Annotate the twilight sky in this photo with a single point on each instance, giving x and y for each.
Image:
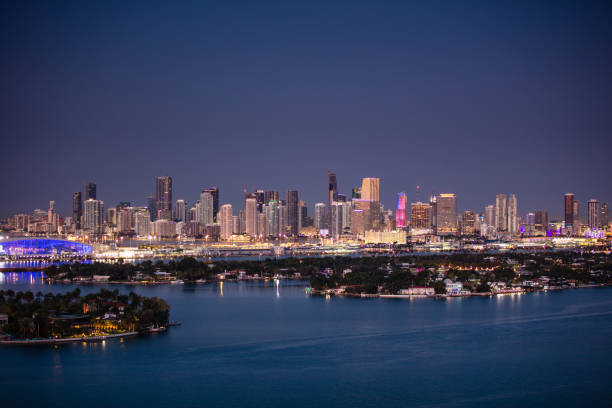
(471, 97)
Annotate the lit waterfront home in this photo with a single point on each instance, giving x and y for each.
(418, 291)
(455, 288)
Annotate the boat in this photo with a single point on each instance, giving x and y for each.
(159, 329)
(177, 282)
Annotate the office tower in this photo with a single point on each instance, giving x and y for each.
(179, 212)
(77, 209)
(93, 216)
(214, 192)
(90, 191)
(52, 217)
(142, 223)
(501, 213)
(111, 216)
(319, 216)
(603, 219)
(569, 209)
(593, 213)
(163, 197)
(530, 218)
(272, 212)
(447, 214)
(250, 216)
(489, 218)
(358, 221)
(263, 229)
(260, 196)
(192, 214)
(302, 214)
(576, 212)
(236, 225)
(370, 189)
(125, 220)
(541, 220)
(368, 210)
(513, 224)
(400, 212)
(433, 203)
(468, 222)
(332, 193)
(283, 220)
(355, 193)
(420, 217)
(340, 218)
(152, 207)
(292, 212)
(270, 195)
(226, 220)
(205, 208)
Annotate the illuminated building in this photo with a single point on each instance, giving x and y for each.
(163, 197)
(21, 222)
(152, 206)
(358, 222)
(530, 219)
(263, 228)
(260, 196)
(179, 212)
(93, 216)
(125, 220)
(332, 193)
(340, 218)
(205, 208)
(43, 247)
(142, 223)
(356, 193)
(593, 208)
(370, 189)
(400, 212)
(433, 203)
(576, 211)
(271, 195)
(501, 213)
(468, 221)
(569, 209)
(367, 213)
(236, 224)
(226, 221)
(250, 216)
(603, 219)
(446, 208)
(420, 218)
(111, 216)
(490, 215)
(513, 224)
(164, 229)
(292, 212)
(214, 192)
(541, 220)
(272, 210)
(77, 209)
(302, 215)
(319, 217)
(90, 191)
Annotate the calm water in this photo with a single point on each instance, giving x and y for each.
(252, 344)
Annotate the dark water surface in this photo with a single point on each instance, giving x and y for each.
(253, 344)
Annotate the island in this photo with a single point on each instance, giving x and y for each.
(28, 318)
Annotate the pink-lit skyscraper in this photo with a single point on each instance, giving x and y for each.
(400, 212)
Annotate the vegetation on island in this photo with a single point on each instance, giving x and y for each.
(74, 315)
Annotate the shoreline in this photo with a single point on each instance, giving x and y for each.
(67, 340)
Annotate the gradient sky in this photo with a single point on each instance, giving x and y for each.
(471, 97)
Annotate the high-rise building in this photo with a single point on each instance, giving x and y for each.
(180, 211)
(263, 228)
(260, 196)
(164, 228)
(142, 223)
(541, 220)
(319, 217)
(446, 214)
(270, 195)
(400, 212)
(367, 210)
(513, 224)
(530, 219)
(250, 216)
(370, 189)
(272, 212)
(111, 216)
(125, 220)
(501, 213)
(576, 212)
(77, 209)
(163, 197)
(205, 208)
(356, 193)
(214, 192)
(433, 203)
(489, 218)
(593, 213)
(152, 207)
(227, 223)
(420, 218)
(302, 214)
(603, 218)
(340, 218)
(332, 193)
(292, 212)
(93, 216)
(90, 191)
(569, 209)
(468, 221)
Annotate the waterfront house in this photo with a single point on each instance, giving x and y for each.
(3, 320)
(418, 291)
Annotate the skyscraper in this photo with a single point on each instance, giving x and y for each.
(93, 216)
(250, 216)
(77, 209)
(180, 211)
(400, 212)
(569, 209)
(501, 213)
(332, 193)
(370, 189)
(513, 224)
(270, 195)
(163, 197)
(227, 222)
(292, 212)
(447, 214)
(541, 220)
(319, 216)
(90, 191)
(214, 192)
(205, 208)
(593, 213)
(356, 192)
(603, 219)
(468, 220)
(260, 196)
(490, 215)
(420, 218)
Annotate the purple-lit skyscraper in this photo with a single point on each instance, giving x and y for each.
(400, 212)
